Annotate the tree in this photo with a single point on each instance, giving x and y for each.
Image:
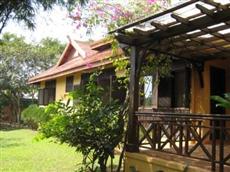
(44, 55)
(25, 10)
(19, 61)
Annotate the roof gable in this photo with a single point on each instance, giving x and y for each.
(65, 54)
(78, 56)
(73, 50)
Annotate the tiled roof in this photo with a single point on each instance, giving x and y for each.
(92, 59)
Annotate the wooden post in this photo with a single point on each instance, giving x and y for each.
(221, 146)
(213, 134)
(133, 132)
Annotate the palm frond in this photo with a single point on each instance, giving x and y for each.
(222, 101)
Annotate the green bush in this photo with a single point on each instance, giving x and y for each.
(25, 103)
(33, 115)
(92, 126)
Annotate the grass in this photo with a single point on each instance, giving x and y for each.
(19, 152)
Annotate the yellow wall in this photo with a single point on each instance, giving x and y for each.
(144, 163)
(61, 85)
(42, 84)
(60, 88)
(200, 97)
(77, 79)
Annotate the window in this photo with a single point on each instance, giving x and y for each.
(105, 82)
(170, 92)
(112, 89)
(84, 79)
(69, 84)
(50, 84)
(118, 91)
(181, 85)
(148, 92)
(47, 94)
(40, 97)
(174, 91)
(181, 88)
(108, 81)
(165, 92)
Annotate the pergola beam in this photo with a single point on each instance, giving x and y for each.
(159, 26)
(200, 33)
(204, 10)
(180, 19)
(187, 26)
(210, 13)
(151, 17)
(195, 24)
(215, 4)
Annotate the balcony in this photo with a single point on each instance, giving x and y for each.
(204, 140)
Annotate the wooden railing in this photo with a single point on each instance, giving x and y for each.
(204, 137)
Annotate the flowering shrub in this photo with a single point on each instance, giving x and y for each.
(112, 14)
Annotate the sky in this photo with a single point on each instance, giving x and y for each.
(55, 24)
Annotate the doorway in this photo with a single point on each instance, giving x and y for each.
(217, 87)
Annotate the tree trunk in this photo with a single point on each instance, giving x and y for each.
(18, 110)
(102, 163)
(16, 106)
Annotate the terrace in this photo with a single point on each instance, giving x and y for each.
(195, 33)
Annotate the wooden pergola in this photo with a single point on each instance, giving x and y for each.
(201, 27)
(195, 31)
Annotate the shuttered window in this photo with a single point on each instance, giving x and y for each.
(113, 90)
(40, 97)
(69, 84)
(50, 84)
(118, 91)
(75, 87)
(84, 78)
(165, 90)
(181, 90)
(47, 94)
(170, 92)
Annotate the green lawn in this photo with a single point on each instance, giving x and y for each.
(19, 152)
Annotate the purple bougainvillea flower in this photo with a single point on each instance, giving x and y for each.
(151, 1)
